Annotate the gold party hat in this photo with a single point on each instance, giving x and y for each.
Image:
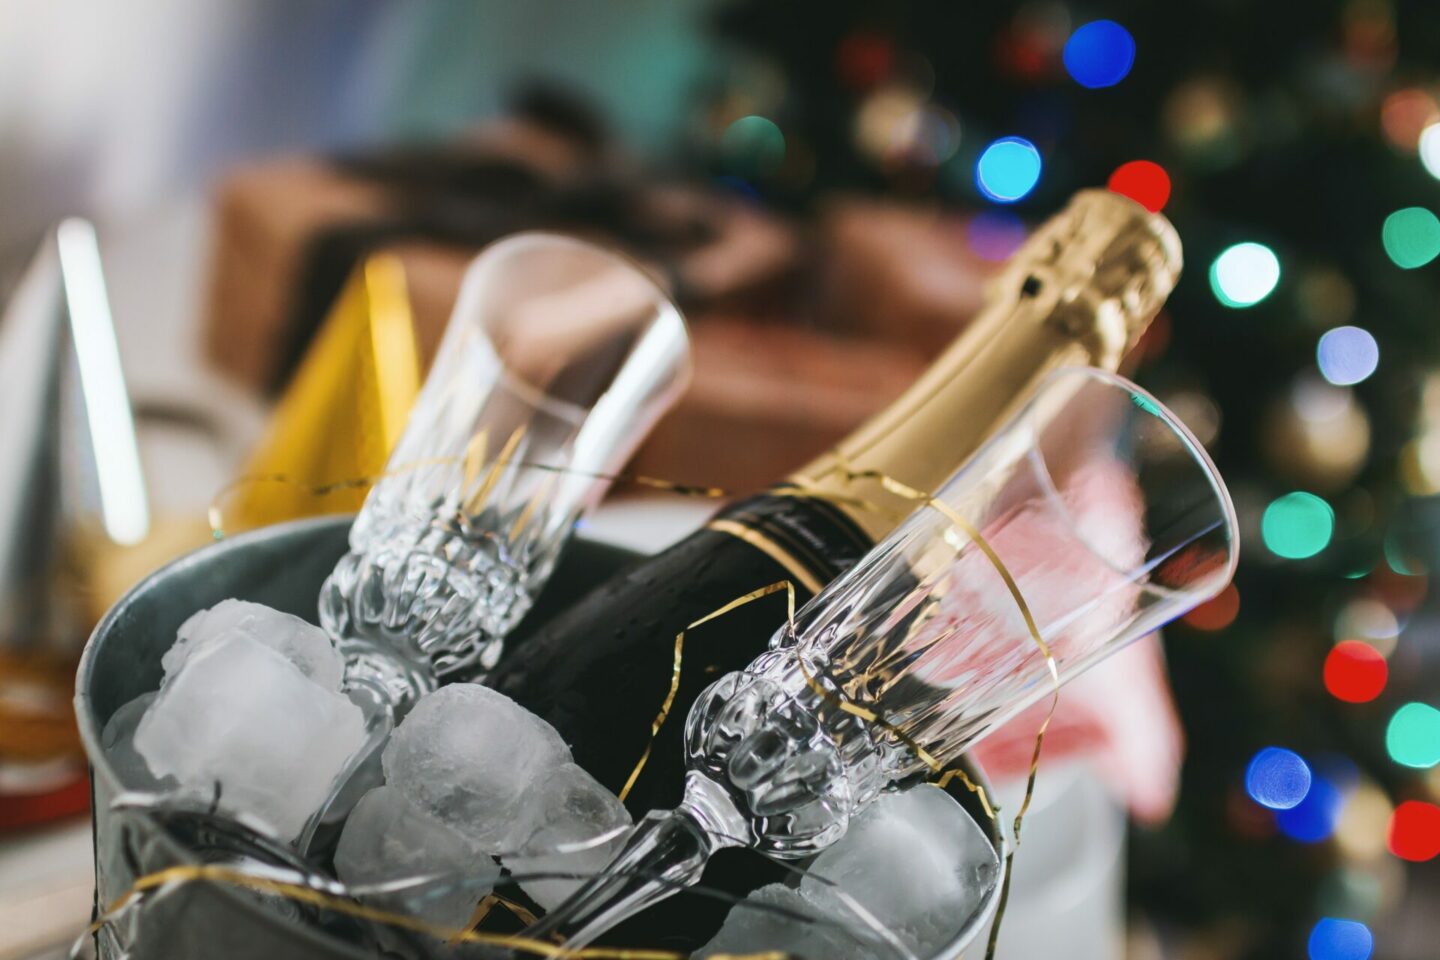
(344, 409)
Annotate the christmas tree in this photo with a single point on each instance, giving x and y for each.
(1296, 147)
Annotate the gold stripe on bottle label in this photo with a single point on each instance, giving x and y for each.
(772, 550)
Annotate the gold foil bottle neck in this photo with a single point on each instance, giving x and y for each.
(1101, 269)
(1080, 291)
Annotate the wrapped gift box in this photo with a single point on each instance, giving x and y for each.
(799, 333)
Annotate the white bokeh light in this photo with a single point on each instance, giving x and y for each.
(1244, 274)
(1430, 150)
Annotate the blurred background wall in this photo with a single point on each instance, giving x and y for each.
(106, 108)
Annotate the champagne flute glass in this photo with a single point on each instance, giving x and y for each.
(1091, 518)
(557, 360)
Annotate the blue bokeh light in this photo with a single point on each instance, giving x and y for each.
(1008, 169)
(1277, 778)
(1313, 819)
(1332, 939)
(1099, 54)
(1347, 355)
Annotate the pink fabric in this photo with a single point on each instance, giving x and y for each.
(1121, 716)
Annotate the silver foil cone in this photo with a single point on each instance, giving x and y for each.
(69, 461)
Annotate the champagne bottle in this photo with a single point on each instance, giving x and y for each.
(1080, 291)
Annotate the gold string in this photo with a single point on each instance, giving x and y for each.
(489, 903)
(799, 488)
(476, 500)
(903, 490)
(679, 659)
(300, 893)
(215, 515)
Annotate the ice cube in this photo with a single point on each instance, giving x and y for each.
(915, 860)
(388, 838)
(118, 742)
(240, 715)
(777, 918)
(562, 818)
(467, 755)
(302, 643)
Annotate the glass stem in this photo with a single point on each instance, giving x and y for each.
(666, 852)
(360, 774)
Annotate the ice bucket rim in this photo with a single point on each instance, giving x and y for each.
(90, 728)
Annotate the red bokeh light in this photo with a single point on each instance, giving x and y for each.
(1415, 831)
(1405, 113)
(1216, 614)
(1142, 181)
(1355, 672)
(863, 60)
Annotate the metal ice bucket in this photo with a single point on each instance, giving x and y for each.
(282, 566)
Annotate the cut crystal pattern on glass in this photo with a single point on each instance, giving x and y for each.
(1091, 519)
(558, 359)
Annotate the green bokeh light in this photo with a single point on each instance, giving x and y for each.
(1413, 737)
(753, 146)
(1411, 237)
(1297, 525)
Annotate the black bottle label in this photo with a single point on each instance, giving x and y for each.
(601, 670)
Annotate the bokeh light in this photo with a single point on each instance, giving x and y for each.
(1320, 439)
(1402, 561)
(926, 137)
(1414, 833)
(1368, 619)
(880, 115)
(1347, 355)
(1297, 525)
(1355, 672)
(885, 117)
(1404, 114)
(1201, 118)
(1430, 150)
(1217, 613)
(1198, 411)
(1354, 890)
(753, 146)
(995, 234)
(1413, 736)
(1332, 939)
(1008, 169)
(863, 59)
(1277, 778)
(1244, 274)
(1313, 819)
(1144, 182)
(1031, 47)
(1411, 237)
(1099, 54)
(1360, 832)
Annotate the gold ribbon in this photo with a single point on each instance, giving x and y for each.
(490, 902)
(904, 490)
(230, 876)
(472, 459)
(669, 700)
(216, 517)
